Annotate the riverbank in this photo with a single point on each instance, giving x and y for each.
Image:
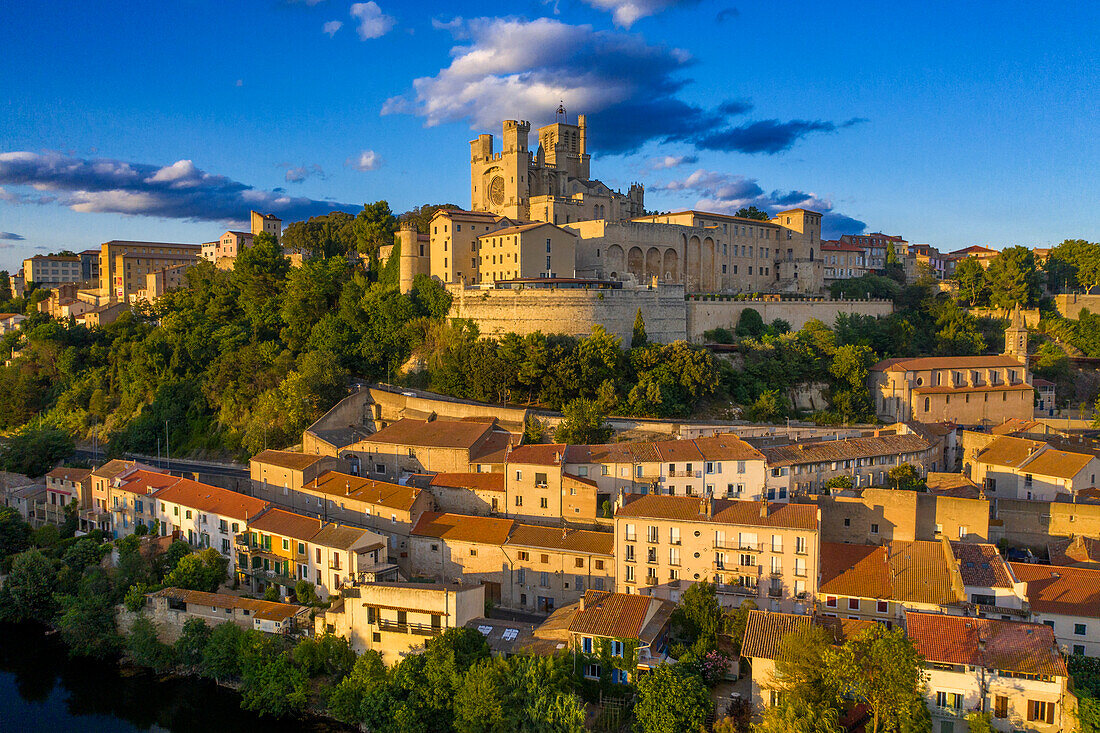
(43, 688)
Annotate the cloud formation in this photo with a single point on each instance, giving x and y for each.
(297, 174)
(177, 191)
(509, 68)
(373, 23)
(12, 236)
(368, 160)
(625, 13)
(726, 194)
(331, 27)
(672, 161)
(727, 14)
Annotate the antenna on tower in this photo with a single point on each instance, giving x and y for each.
(561, 112)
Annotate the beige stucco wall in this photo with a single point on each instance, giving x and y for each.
(1071, 305)
(901, 515)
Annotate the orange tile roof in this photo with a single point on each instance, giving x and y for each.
(569, 540)
(1008, 451)
(724, 511)
(112, 468)
(145, 482)
(76, 475)
(520, 228)
(436, 433)
(1012, 646)
(951, 484)
(494, 449)
(212, 499)
(286, 459)
(1057, 463)
(381, 493)
(854, 570)
(922, 363)
(920, 573)
(280, 522)
(617, 615)
(264, 610)
(548, 454)
(1061, 590)
(765, 630)
(1014, 425)
(727, 447)
(475, 481)
(948, 389)
(840, 450)
(981, 565)
(463, 528)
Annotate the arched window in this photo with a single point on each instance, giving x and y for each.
(927, 404)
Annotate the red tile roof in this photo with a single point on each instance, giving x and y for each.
(617, 615)
(765, 630)
(854, 570)
(76, 475)
(1074, 552)
(850, 448)
(723, 511)
(280, 522)
(548, 454)
(380, 493)
(475, 481)
(211, 499)
(981, 565)
(581, 541)
(435, 433)
(1012, 646)
(946, 362)
(463, 528)
(1061, 590)
(145, 482)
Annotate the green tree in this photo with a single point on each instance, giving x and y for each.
(904, 476)
(638, 336)
(751, 212)
(15, 534)
(881, 669)
(221, 657)
(583, 424)
(366, 678)
(798, 716)
(750, 324)
(734, 622)
(970, 276)
(27, 594)
(697, 618)
(203, 571)
(305, 592)
(144, 647)
(1051, 362)
(839, 482)
(1012, 278)
(34, 450)
(979, 722)
(191, 644)
(521, 693)
(87, 621)
(801, 669)
(671, 700)
(374, 227)
(273, 685)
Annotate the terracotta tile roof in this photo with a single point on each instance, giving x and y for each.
(947, 389)
(145, 482)
(436, 433)
(1015, 425)
(843, 629)
(76, 475)
(112, 468)
(212, 499)
(765, 630)
(520, 228)
(286, 459)
(1057, 463)
(568, 477)
(724, 511)
(1009, 451)
(854, 570)
(727, 447)
(380, 493)
(953, 485)
(919, 573)
(1012, 646)
(1074, 551)
(342, 537)
(494, 449)
(264, 610)
(677, 450)
(618, 615)
(476, 481)
(569, 540)
(548, 454)
(840, 450)
(286, 524)
(924, 363)
(975, 249)
(981, 565)
(1061, 590)
(463, 528)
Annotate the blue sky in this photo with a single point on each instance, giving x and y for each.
(948, 123)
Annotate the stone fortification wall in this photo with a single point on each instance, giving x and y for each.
(708, 312)
(1070, 305)
(1030, 315)
(574, 311)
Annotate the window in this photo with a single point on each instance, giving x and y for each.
(653, 534)
(629, 531)
(1079, 649)
(521, 576)
(853, 604)
(629, 573)
(962, 532)
(883, 606)
(674, 535)
(949, 700)
(1079, 629)
(519, 501)
(800, 545)
(543, 503)
(874, 528)
(1040, 711)
(800, 567)
(1000, 706)
(830, 601)
(673, 556)
(544, 580)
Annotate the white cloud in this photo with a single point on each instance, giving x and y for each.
(373, 23)
(297, 174)
(626, 12)
(368, 160)
(12, 236)
(672, 161)
(331, 27)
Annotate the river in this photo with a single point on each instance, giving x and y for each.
(44, 690)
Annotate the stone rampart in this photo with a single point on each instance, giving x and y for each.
(1070, 305)
(706, 312)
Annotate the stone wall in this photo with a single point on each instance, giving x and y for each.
(1070, 305)
(1035, 523)
(706, 313)
(900, 515)
(574, 311)
(1030, 315)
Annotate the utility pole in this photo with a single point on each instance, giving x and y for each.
(167, 450)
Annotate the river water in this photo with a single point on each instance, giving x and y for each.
(44, 690)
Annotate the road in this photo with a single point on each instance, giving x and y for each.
(182, 466)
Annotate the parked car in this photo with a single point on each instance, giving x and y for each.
(1020, 554)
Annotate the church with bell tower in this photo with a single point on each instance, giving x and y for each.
(552, 184)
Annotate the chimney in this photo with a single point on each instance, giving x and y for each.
(347, 488)
(764, 507)
(710, 506)
(582, 601)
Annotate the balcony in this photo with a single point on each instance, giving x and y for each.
(685, 474)
(775, 592)
(738, 545)
(396, 627)
(735, 590)
(650, 580)
(775, 574)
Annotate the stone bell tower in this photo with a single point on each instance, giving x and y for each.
(1016, 336)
